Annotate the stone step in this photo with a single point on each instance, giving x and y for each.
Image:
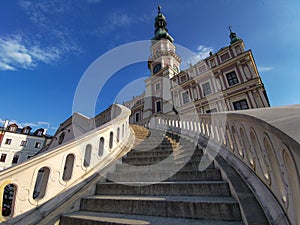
(194, 188)
(154, 160)
(190, 165)
(161, 153)
(194, 207)
(207, 175)
(153, 147)
(98, 218)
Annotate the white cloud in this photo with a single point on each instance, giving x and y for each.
(15, 55)
(52, 17)
(201, 53)
(114, 21)
(4, 66)
(262, 69)
(36, 125)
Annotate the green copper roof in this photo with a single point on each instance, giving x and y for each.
(161, 31)
(233, 37)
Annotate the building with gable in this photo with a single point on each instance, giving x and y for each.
(19, 144)
(224, 81)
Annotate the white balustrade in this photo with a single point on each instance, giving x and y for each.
(49, 174)
(272, 155)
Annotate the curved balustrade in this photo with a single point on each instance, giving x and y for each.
(45, 176)
(267, 158)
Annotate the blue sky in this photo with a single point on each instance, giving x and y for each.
(46, 46)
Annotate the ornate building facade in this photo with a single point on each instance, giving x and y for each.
(224, 81)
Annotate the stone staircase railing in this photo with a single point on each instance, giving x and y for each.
(40, 185)
(258, 148)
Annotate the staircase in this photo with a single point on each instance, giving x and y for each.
(158, 182)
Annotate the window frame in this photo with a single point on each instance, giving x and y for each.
(23, 143)
(137, 116)
(18, 157)
(233, 80)
(3, 157)
(37, 144)
(185, 97)
(8, 141)
(157, 86)
(160, 106)
(204, 89)
(240, 105)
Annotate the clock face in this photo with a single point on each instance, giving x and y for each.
(157, 68)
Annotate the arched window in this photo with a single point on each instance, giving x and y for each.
(87, 156)
(111, 139)
(101, 147)
(41, 183)
(68, 169)
(118, 134)
(61, 138)
(8, 200)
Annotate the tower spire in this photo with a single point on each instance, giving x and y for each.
(233, 37)
(161, 31)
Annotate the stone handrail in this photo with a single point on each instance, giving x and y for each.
(261, 152)
(41, 179)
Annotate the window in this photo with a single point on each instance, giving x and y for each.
(39, 132)
(185, 97)
(206, 89)
(118, 134)
(15, 159)
(8, 141)
(37, 144)
(137, 117)
(23, 143)
(202, 69)
(195, 93)
(101, 147)
(225, 57)
(87, 156)
(158, 106)
(13, 128)
(61, 138)
(3, 157)
(68, 168)
(183, 78)
(240, 105)
(238, 50)
(111, 139)
(232, 78)
(8, 199)
(26, 131)
(157, 86)
(41, 183)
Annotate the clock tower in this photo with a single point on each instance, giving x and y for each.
(162, 48)
(163, 64)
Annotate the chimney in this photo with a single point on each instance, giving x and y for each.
(6, 122)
